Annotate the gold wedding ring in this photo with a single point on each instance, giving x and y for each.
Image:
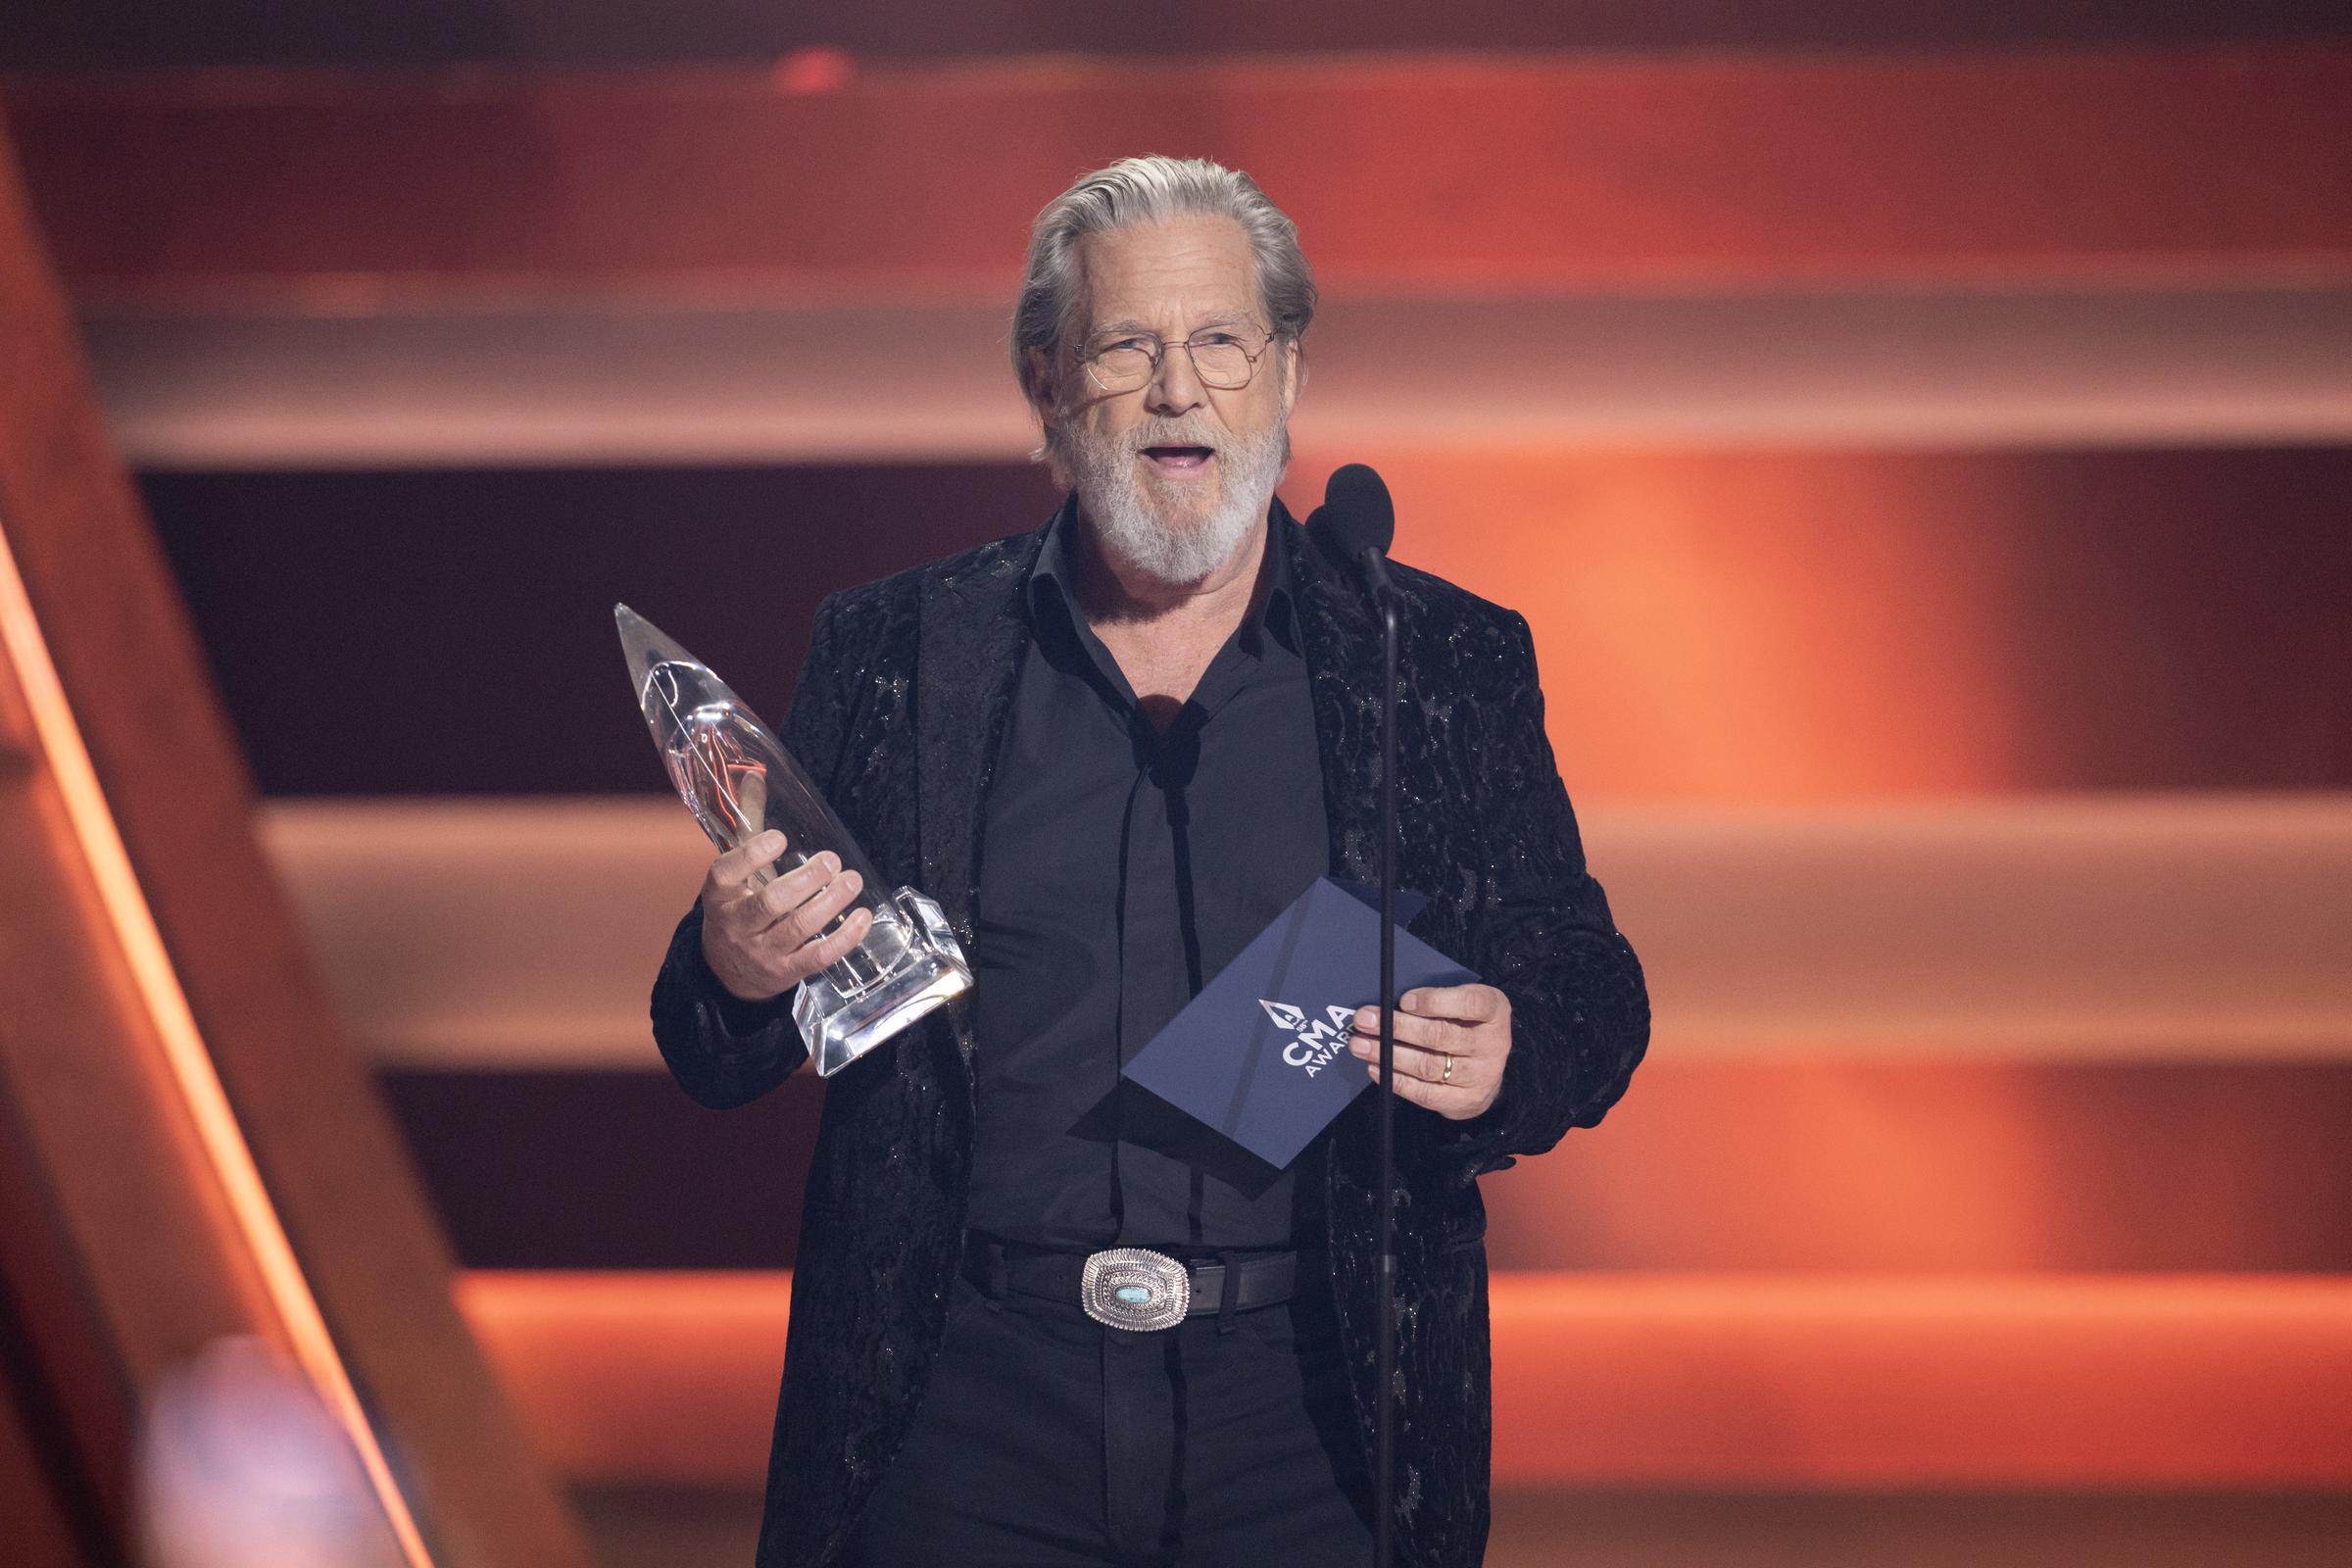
(1446, 1075)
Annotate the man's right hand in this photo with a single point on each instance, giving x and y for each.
(763, 941)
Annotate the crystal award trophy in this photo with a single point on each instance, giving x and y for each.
(739, 781)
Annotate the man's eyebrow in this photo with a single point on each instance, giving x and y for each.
(1145, 329)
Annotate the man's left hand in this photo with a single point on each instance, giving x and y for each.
(1451, 1042)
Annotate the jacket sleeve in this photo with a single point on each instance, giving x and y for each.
(1580, 1011)
(722, 1049)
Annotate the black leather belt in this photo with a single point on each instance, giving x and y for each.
(1132, 1287)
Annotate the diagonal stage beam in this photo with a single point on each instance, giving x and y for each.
(192, 1146)
(1456, 176)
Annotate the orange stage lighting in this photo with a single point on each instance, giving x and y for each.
(1861, 1382)
(231, 1162)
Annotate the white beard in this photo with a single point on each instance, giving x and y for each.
(1166, 531)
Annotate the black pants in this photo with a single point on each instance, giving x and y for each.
(1048, 1439)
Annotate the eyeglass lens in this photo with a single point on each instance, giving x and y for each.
(1221, 360)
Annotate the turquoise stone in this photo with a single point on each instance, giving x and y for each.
(1133, 1295)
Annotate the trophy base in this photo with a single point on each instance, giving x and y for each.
(909, 964)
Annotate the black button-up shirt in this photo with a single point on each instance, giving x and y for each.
(1120, 869)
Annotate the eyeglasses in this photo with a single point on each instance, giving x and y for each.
(1221, 358)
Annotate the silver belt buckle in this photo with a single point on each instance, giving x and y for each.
(1135, 1288)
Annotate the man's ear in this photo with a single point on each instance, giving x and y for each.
(1293, 371)
(1042, 390)
(1040, 386)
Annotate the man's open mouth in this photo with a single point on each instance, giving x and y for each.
(1179, 459)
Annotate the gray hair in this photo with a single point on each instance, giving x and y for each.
(1147, 190)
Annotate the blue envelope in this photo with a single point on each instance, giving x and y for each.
(1261, 1053)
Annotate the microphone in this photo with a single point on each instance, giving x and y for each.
(1357, 522)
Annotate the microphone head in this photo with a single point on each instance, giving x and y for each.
(1356, 513)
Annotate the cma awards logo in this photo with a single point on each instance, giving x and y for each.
(1312, 1044)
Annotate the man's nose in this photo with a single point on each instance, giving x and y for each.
(1175, 387)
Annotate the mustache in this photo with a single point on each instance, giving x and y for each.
(1171, 433)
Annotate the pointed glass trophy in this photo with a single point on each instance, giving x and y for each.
(739, 781)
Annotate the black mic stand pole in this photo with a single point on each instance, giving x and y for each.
(1358, 522)
(1385, 1418)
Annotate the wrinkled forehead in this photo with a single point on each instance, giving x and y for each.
(1171, 278)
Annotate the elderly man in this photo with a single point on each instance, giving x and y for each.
(1113, 750)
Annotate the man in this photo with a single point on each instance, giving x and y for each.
(1113, 750)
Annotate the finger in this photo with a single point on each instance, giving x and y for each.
(731, 873)
(796, 887)
(1418, 1061)
(790, 934)
(825, 952)
(1431, 1034)
(1461, 1004)
(1444, 1098)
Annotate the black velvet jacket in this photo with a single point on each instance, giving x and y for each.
(898, 711)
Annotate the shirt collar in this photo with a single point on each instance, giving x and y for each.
(1054, 581)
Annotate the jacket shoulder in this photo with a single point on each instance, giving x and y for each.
(1430, 601)
(900, 594)
(1451, 612)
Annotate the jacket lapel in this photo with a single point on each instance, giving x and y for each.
(973, 629)
(1341, 637)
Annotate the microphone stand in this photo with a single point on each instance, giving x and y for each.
(1358, 523)
(1385, 1417)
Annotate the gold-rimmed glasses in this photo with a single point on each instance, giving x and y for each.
(1221, 357)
